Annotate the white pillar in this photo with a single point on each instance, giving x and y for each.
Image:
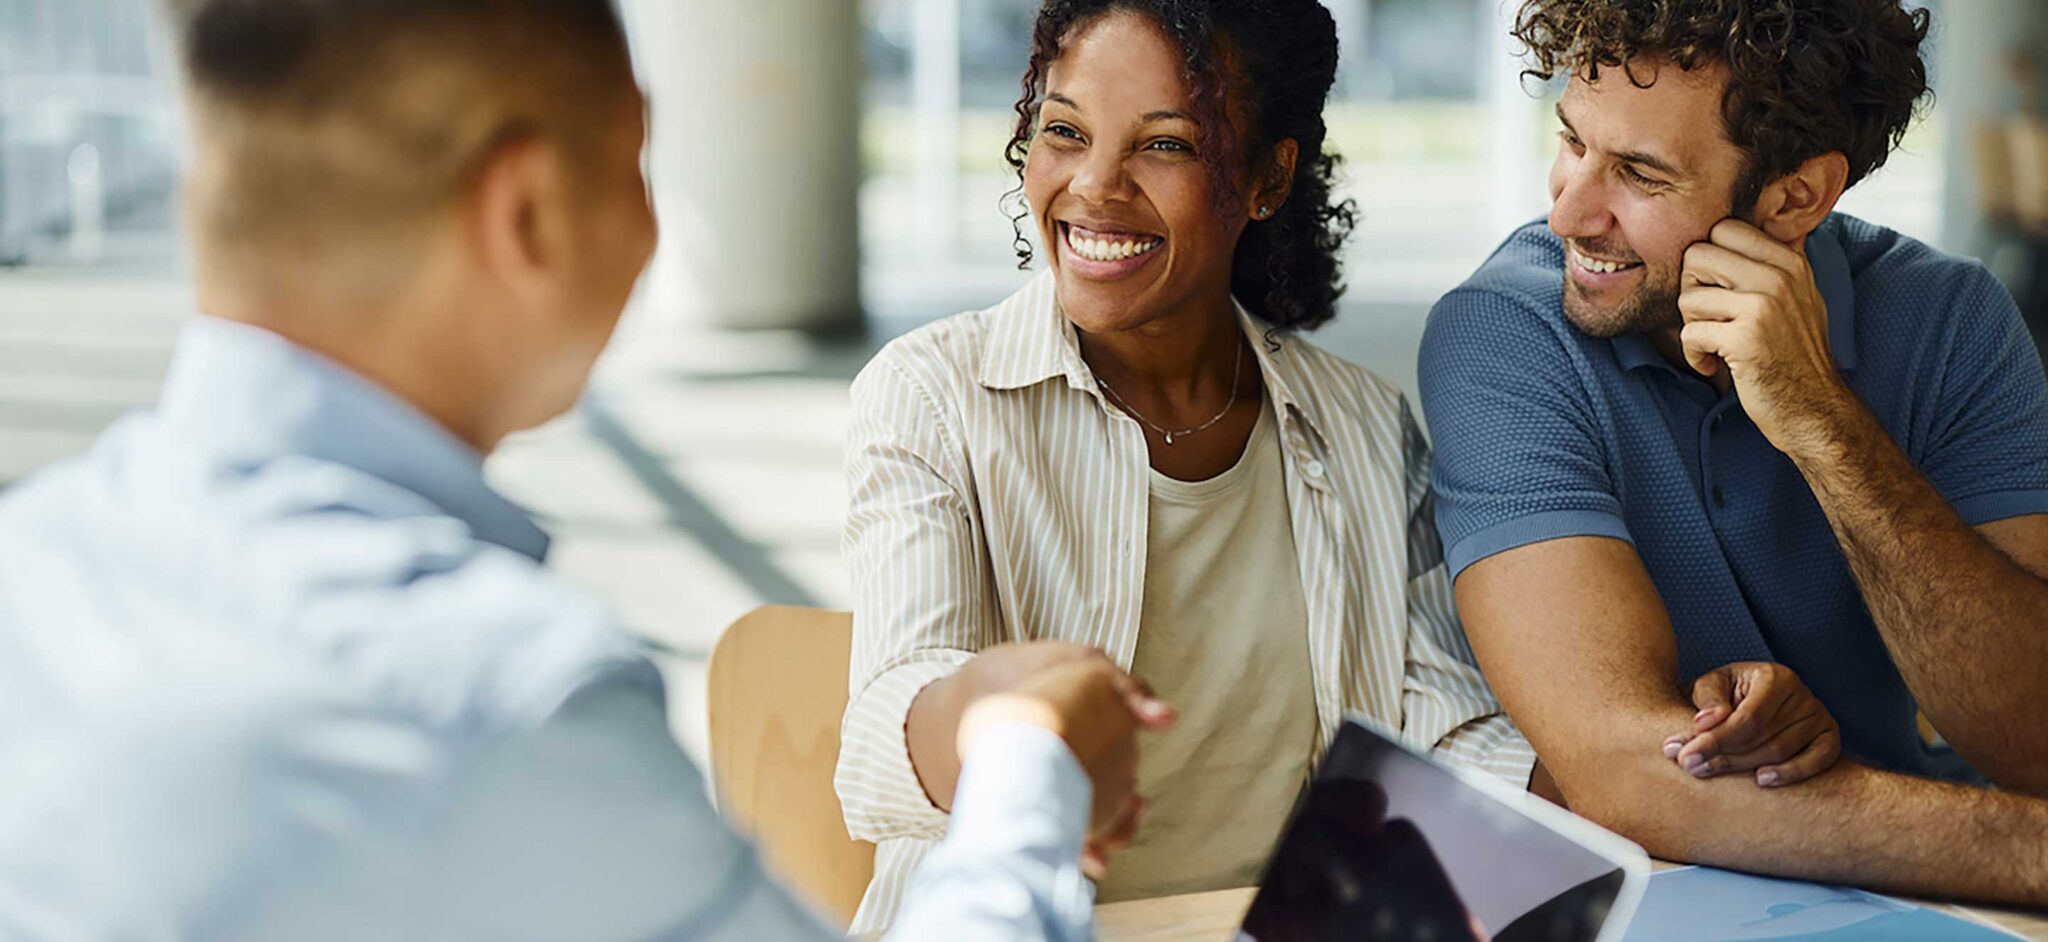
(88, 203)
(935, 101)
(1513, 118)
(755, 162)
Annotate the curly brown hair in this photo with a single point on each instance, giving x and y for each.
(1807, 77)
(1276, 60)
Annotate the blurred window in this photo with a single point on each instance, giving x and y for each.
(87, 150)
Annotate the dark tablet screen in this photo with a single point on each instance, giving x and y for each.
(1386, 846)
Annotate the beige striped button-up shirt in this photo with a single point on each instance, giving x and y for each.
(997, 496)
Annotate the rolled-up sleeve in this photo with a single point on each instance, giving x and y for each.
(922, 599)
(1447, 707)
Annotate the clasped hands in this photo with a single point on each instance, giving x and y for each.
(1758, 717)
(1080, 695)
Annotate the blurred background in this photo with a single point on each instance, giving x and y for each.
(830, 174)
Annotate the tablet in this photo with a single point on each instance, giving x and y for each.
(1387, 845)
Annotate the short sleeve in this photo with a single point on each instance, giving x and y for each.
(1520, 456)
(1988, 451)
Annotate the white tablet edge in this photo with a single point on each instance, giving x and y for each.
(1624, 854)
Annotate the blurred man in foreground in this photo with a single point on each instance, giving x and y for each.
(415, 225)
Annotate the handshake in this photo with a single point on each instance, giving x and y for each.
(1072, 690)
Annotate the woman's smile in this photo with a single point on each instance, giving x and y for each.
(1105, 254)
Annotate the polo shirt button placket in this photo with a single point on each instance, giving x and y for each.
(1716, 497)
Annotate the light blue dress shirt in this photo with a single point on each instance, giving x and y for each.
(275, 662)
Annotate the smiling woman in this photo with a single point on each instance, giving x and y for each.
(1137, 454)
(1286, 266)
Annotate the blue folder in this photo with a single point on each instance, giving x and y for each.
(1701, 904)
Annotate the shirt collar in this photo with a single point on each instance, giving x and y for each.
(1837, 290)
(253, 395)
(1030, 342)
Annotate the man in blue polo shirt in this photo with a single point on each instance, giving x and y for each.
(1697, 419)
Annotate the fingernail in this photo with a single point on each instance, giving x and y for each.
(1767, 778)
(1672, 748)
(1696, 765)
(1703, 714)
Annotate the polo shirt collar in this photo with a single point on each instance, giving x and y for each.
(1837, 289)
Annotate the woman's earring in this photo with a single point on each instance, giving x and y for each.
(1265, 211)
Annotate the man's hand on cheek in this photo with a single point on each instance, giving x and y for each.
(1753, 309)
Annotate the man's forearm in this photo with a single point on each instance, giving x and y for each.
(1860, 826)
(1851, 824)
(1963, 621)
(1017, 833)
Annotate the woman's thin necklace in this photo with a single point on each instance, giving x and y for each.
(1236, 373)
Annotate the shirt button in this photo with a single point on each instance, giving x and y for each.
(1313, 469)
(1720, 497)
(1123, 547)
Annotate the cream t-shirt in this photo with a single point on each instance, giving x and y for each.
(1224, 638)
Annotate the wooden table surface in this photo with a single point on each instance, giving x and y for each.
(1214, 917)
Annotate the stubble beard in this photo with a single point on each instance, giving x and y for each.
(1651, 307)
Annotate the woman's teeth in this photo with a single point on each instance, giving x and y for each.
(1596, 265)
(1109, 248)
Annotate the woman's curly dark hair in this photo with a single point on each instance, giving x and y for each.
(1276, 61)
(1807, 77)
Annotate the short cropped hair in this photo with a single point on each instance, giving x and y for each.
(350, 124)
(1807, 77)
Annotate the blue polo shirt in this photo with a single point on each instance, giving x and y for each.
(1543, 432)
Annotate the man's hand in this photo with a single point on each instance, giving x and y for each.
(1751, 307)
(932, 730)
(1757, 716)
(1085, 699)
